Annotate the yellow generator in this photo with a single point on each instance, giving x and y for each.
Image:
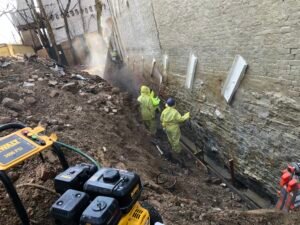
(106, 197)
(90, 195)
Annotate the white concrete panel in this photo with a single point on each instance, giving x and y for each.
(190, 74)
(89, 15)
(22, 17)
(165, 62)
(21, 14)
(234, 77)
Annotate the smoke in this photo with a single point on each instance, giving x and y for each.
(97, 53)
(121, 76)
(93, 48)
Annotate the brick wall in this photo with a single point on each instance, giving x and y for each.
(261, 128)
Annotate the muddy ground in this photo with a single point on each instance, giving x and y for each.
(102, 121)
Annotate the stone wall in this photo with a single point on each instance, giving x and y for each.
(260, 129)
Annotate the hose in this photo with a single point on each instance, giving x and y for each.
(7, 126)
(38, 187)
(165, 183)
(19, 207)
(79, 152)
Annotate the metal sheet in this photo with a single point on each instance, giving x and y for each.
(190, 74)
(234, 77)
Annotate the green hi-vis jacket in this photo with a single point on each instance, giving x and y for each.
(148, 103)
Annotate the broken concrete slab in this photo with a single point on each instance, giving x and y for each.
(28, 84)
(4, 64)
(52, 83)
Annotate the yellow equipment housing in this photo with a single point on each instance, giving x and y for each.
(22, 144)
(137, 216)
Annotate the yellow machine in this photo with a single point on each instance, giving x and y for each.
(108, 196)
(137, 216)
(21, 145)
(90, 194)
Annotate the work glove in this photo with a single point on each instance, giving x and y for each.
(163, 125)
(188, 123)
(186, 116)
(155, 101)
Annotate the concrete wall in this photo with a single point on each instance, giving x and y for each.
(260, 129)
(22, 15)
(80, 22)
(31, 38)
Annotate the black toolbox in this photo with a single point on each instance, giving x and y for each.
(102, 211)
(69, 207)
(74, 177)
(122, 185)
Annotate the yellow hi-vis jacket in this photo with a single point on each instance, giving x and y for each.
(148, 103)
(171, 119)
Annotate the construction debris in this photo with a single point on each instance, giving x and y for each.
(60, 70)
(4, 64)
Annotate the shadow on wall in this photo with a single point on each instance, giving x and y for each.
(130, 80)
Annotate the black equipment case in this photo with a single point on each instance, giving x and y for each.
(122, 185)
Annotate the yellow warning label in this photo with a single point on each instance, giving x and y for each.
(135, 190)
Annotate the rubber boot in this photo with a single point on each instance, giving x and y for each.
(178, 159)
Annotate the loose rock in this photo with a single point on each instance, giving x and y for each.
(54, 93)
(2, 84)
(4, 119)
(28, 84)
(72, 87)
(11, 104)
(115, 90)
(52, 83)
(14, 176)
(30, 100)
(44, 173)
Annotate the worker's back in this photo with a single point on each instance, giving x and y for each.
(170, 116)
(146, 106)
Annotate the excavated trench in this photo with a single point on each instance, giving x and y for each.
(103, 121)
(124, 78)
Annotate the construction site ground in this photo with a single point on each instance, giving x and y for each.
(86, 112)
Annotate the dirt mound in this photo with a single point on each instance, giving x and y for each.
(88, 113)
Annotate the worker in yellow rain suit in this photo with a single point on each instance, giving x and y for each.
(148, 105)
(171, 120)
